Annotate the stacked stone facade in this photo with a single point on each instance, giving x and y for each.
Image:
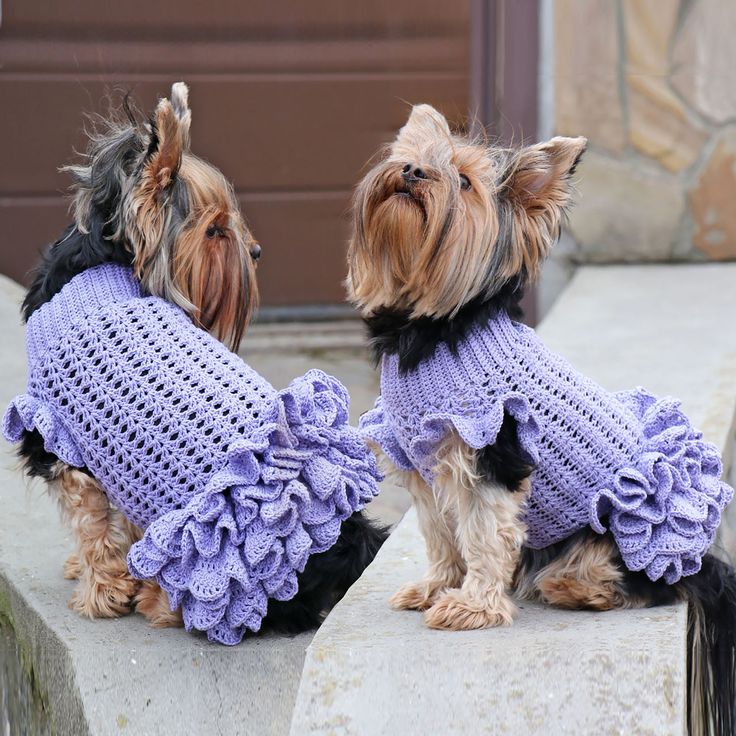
(652, 84)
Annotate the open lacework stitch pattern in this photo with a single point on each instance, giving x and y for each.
(628, 461)
(235, 483)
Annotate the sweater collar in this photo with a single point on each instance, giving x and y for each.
(499, 334)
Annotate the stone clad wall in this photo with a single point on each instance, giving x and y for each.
(652, 84)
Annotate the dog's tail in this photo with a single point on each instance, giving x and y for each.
(711, 595)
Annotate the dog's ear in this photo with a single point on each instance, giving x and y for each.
(539, 178)
(169, 137)
(424, 130)
(180, 103)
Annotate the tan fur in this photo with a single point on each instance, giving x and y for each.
(432, 248)
(587, 576)
(446, 568)
(212, 277)
(489, 537)
(73, 567)
(103, 537)
(153, 603)
(214, 274)
(438, 525)
(473, 534)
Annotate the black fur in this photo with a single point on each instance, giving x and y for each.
(712, 616)
(36, 461)
(327, 576)
(505, 462)
(394, 331)
(71, 254)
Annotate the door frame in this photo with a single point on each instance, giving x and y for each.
(504, 72)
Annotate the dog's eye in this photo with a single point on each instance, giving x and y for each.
(211, 231)
(464, 182)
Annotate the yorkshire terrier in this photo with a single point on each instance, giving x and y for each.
(525, 475)
(143, 200)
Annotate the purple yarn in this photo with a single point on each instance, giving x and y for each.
(628, 456)
(236, 484)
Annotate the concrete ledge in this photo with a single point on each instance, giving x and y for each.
(370, 670)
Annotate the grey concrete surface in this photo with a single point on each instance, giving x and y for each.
(370, 670)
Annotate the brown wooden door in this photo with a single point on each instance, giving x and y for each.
(289, 98)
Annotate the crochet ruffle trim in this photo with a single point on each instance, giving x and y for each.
(477, 430)
(27, 413)
(280, 497)
(664, 510)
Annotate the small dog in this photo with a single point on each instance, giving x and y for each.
(524, 474)
(144, 201)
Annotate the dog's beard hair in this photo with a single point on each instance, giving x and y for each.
(430, 257)
(459, 245)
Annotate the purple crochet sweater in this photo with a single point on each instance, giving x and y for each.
(235, 484)
(628, 456)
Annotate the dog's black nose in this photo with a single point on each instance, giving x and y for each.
(255, 251)
(410, 172)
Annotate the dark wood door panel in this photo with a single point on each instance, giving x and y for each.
(303, 258)
(266, 135)
(243, 19)
(289, 99)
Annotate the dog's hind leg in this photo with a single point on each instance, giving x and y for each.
(588, 574)
(152, 602)
(103, 537)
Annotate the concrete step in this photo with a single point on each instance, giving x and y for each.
(286, 337)
(370, 670)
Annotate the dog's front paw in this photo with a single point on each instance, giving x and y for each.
(454, 611)
(416, 596)
(104, 595)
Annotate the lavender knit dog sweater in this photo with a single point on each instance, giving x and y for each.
(628, 458)
(235, 484)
